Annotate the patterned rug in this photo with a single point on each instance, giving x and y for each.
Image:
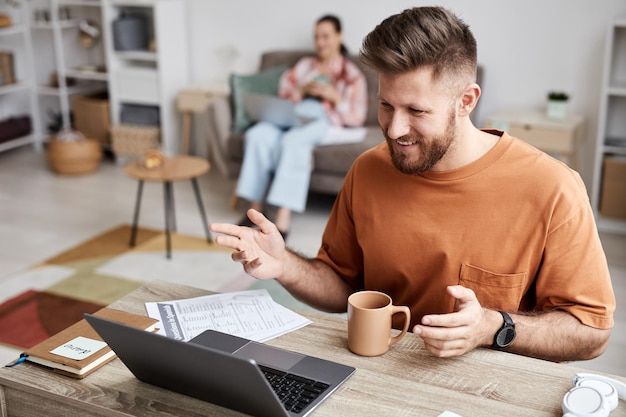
(54, 294)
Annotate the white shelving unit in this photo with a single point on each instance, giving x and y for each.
(19, 98)
(63, 65)
(611, 139)
(153, 76)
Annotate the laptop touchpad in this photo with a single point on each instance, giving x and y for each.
(268, 355)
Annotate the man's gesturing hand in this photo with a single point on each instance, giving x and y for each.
(261, 251)
(454, 334)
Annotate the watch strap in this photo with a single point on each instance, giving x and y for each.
(507, 319)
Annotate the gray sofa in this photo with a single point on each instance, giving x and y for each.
(330, 163)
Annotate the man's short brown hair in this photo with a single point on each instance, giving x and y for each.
(421, 37)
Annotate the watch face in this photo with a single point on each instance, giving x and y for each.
(505, 336)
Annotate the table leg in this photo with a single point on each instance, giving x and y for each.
(168, 201)
(210, 143)
(186, 132)
(196, 189)
(133, 234)
(172, 209)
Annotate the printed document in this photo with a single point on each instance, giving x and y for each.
(250, 314)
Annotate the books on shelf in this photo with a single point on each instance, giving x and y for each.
(79, 350)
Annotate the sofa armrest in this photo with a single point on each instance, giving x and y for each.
(219, 123)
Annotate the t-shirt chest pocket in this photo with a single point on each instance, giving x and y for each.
(493, 290)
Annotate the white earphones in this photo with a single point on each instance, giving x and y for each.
(593, 396)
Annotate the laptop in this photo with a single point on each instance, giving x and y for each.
(268, 108)
(226, 370)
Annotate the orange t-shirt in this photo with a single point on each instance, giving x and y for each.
(515, 226)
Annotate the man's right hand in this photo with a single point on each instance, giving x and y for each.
(261, 251)
(263, 254)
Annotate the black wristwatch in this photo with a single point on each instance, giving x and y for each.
(506, 334)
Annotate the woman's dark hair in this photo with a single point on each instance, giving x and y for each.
(334, 20)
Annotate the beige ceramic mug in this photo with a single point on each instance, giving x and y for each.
(369, 322)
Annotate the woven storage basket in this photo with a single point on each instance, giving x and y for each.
(74, 157)
(136, 141)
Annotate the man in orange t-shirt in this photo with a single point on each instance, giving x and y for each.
(489, 241)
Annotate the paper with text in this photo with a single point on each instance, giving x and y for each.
(251, 314)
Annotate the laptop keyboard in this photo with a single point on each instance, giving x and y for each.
(295, 392)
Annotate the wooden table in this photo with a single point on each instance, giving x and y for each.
(407, 380)
(176, 168)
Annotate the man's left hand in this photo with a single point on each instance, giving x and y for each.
(457, 333)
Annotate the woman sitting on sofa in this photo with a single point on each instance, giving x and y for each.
(329, 90)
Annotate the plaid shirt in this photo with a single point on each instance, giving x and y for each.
(345, 76)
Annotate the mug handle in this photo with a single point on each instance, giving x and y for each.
(407, 320)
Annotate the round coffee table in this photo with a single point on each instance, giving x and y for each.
(177, 168)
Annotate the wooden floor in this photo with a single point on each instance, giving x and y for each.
(43, 214)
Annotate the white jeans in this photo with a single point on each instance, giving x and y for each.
(285, 153)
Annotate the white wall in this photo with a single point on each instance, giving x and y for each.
(527, 48)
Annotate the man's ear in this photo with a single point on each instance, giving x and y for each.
(469, 99)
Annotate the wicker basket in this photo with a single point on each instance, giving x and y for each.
(74, 157)
(135, 141)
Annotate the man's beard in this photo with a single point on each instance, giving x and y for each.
(431, 151)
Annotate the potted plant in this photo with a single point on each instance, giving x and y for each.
(557, 104)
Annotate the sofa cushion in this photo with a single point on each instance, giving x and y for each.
(337, 159)
(263, 82)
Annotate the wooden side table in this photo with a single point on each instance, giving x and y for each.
(177, 168)
(559, 136)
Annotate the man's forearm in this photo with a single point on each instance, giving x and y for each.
(314, 283)
(557, 336)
